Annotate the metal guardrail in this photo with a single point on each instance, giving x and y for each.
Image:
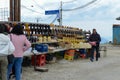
(0, 72)
(104, 49)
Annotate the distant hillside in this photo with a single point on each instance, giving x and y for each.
(105, 40)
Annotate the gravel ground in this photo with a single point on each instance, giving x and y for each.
(106, 68)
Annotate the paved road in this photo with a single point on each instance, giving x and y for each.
(107, 68)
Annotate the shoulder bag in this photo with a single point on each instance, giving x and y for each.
(11, 56)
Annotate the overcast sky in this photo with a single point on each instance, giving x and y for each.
(100, 15)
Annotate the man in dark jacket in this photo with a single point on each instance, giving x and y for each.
(95, 40)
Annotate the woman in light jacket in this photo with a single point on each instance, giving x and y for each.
(21, 44)
(4, 50)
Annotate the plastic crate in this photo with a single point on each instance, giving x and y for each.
(40, 60)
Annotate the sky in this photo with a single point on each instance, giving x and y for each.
(101, 14)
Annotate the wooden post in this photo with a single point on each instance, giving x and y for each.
(11, 10)
(15, 11)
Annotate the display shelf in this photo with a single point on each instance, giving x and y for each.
(57, 50)
(45, 42)
(38, 33)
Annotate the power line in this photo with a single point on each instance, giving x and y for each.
(31, 9)
(36, 12)
(38, 5)
(47, 18)
(70, 1)
(83, 6)
(91, 6)
(55, 18)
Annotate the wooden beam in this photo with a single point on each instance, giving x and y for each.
(15, 11)
(11, 10)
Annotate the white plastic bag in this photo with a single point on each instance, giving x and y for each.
(6, 48)
(28, 52)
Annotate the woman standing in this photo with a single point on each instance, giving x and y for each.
(21, 44)
(4, 42)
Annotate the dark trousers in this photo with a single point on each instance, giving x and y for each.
(94, 48)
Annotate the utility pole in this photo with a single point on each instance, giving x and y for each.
(37, 19)
(15, 11)
(60, 14)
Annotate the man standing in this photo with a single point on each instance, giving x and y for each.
(94, 40)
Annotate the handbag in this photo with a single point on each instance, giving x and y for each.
(93, 43)
(11, 56)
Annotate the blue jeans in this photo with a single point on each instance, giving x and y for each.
(17, 62)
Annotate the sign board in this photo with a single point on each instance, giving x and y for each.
(49, 12)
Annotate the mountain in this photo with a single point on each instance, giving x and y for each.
(105, 40)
